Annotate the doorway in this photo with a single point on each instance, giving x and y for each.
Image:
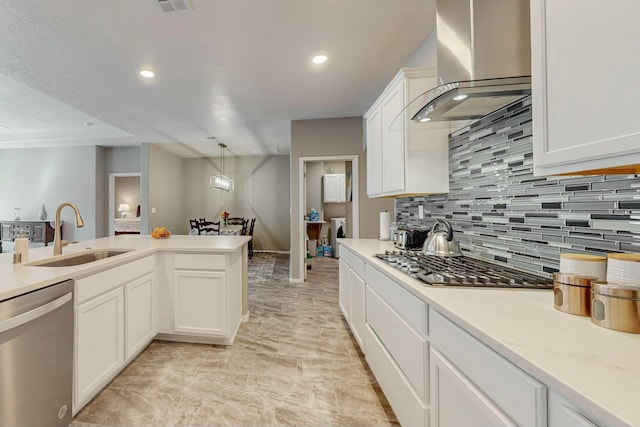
(317, 169)
(124, 189)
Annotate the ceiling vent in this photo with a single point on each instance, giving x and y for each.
(173, 5)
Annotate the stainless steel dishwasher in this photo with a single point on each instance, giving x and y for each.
(36, 357)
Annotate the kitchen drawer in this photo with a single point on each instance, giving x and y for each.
(411, 308)
(407, 407)
(346, 255)
(200, 261)
(520, 396)
(353, 261)
(99, 283)
(406, 346)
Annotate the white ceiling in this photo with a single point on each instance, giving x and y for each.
(238, 70)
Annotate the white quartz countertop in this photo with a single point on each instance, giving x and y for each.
(17, 279)
(597, 368)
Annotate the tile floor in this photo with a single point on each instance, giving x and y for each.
(294, 363)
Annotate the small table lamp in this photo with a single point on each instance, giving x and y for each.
(124, 208)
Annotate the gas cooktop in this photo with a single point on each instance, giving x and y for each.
(461, 271)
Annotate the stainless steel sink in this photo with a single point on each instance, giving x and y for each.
(78, 259)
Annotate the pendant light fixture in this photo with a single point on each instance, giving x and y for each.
(220, 181)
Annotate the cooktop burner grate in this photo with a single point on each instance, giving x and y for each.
(462, 271)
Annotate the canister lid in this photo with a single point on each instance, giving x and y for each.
(584, 257)
(574, 279)
(616, 290)
(625, 257)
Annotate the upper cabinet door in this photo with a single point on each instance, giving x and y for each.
(334, 188)
(405, 157)
(393, 141)
(584, 61)
(374, 151)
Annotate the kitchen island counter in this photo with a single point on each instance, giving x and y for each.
(18, 279)
(594, 367)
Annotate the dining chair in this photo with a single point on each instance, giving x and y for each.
(208, 227)
(253, 223)
(245, 226)
(193, 225)
(236, 220)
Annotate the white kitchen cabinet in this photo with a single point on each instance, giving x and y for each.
(396, 346)
(393, 148)
(407, 407)
(343, 285)
(114, 321)
(200, 302)
(99, 344)
(357, 302)
(457, 401)
(404, 157)
(563, 413)
(351, 293)
(334, 188)
(584, 61)
(471, 372)
(139, 301)
(373, 138)
(200, 297)
(396, 316)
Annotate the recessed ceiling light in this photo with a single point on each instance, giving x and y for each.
(460, 97)
(147, 73)
(425, 119)
(320, 59)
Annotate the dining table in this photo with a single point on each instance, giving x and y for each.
(231, 230)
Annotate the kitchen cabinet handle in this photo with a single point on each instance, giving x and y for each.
(28, 316)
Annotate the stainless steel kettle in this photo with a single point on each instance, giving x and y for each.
(441, 241)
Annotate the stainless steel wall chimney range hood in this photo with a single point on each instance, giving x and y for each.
(484, 59)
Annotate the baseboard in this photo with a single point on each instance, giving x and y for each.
(245, 317)
(275, 252)
(292, 280)
(194, 339)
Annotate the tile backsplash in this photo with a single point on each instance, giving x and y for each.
(501, 213)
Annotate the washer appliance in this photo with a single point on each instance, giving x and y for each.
(337, 225)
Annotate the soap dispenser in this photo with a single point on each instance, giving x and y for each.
(22, 247)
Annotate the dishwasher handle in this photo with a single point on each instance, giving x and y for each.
(30, 315)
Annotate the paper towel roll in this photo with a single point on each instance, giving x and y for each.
(384, 225)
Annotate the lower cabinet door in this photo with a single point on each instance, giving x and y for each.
(458, 402)
(138, 301)
(563, 413)
(200, 304)
(6, 231)
(99, 344)
(343, 287)
(38, 233)
(356, 299)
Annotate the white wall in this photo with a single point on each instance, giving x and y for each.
(31, 177)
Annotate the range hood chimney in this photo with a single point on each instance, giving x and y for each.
(484, 59)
